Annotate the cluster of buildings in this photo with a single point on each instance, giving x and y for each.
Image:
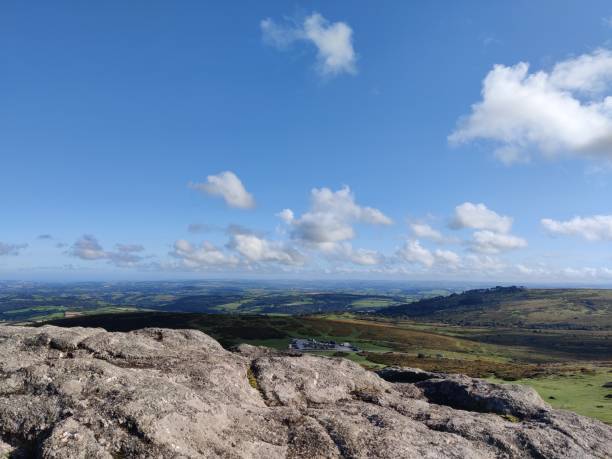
(299, 344)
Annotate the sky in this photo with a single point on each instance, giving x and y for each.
(363, 140)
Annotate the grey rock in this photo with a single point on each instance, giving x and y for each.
(87, 393)
(406, 375)
(471, 394)
(463, 392)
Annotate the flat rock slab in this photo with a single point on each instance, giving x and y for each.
(88, 393)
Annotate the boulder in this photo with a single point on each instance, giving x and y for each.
(88, 393)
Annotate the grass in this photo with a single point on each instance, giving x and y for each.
(372, 303)
(579, 392)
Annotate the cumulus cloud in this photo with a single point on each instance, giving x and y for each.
(491, 242)
(286, 215)
(257, 249)
(205, 255)
(565, 110)
(413, 252)
(493, 235)
(595, 228)
(44, 236)
(588, 73)
(478, 216)
(447, 257)
(331, 217)
(334, 41)
(229, 187)
(11, 249)
(88, 248)
(425, 231)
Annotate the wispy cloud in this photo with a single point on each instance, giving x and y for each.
(334, 41)
(202, 228)
(205, 255)
(11, 249)
(88, 248)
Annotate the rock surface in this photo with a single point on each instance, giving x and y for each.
(87, 393)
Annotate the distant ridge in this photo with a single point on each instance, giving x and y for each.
(514, 306)
(470, 299)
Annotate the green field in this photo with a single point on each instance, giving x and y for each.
(579, 392)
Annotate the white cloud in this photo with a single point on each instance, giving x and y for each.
(425, 231)
(286, 215)
(334, 41)
(607, 21)
(228, 186)
(331, 217)
(257, 249)
(344, 252)
(566, 110)
(595, 228)
(478, 216)
(491, 242)
(11, 249)
(413, 252)
(447, 257)
(204, 256)
(585, 273)
(588, 73)
(484, 264)
(365, 257)
(531, 271)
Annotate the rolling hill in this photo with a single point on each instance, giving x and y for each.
(514, 307)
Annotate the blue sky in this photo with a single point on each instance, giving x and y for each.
(386, 128)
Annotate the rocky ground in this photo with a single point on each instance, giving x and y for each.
(87, 393)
